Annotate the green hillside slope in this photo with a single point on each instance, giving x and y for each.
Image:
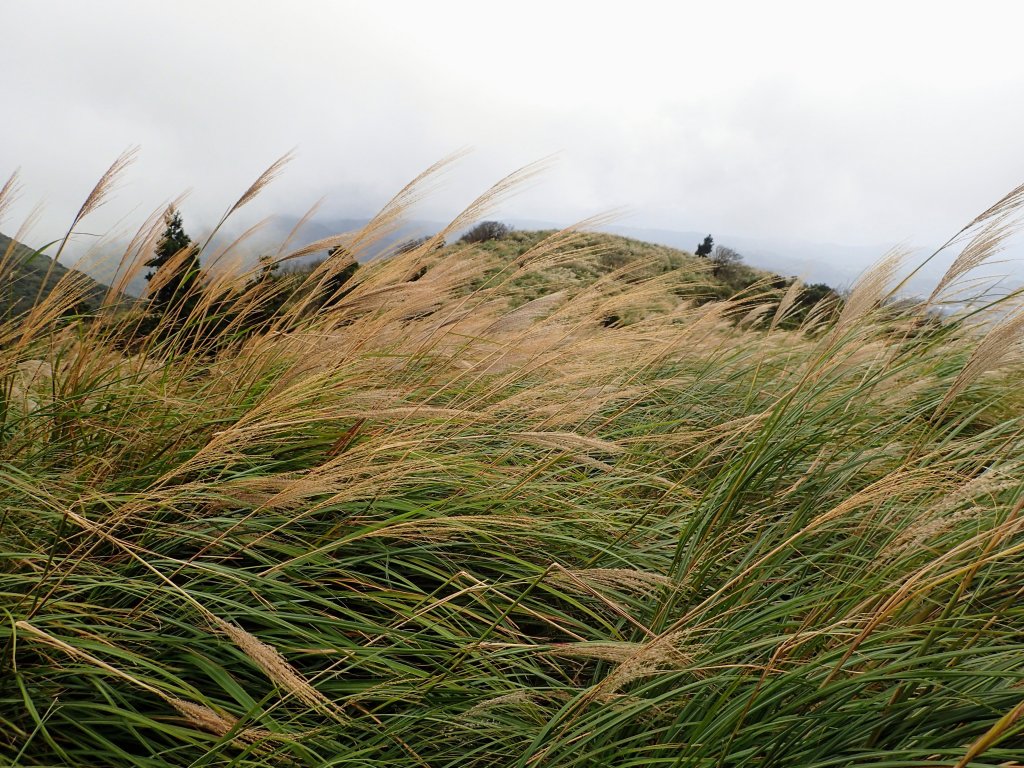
(592, 256)
(24, 271)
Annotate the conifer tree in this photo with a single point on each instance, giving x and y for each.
(176, 270)
(705, 248)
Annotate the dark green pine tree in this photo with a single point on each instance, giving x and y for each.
(704, 249)
(176, 293)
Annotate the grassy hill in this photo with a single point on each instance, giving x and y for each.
(561, 267)
(24, 272)
(592, 256)
(455, 517)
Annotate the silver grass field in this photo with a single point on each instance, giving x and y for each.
(428, 527)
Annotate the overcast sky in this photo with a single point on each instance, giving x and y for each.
(855, 123)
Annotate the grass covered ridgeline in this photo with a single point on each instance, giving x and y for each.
(424, 528)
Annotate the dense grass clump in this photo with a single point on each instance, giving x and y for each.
(428, 524)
